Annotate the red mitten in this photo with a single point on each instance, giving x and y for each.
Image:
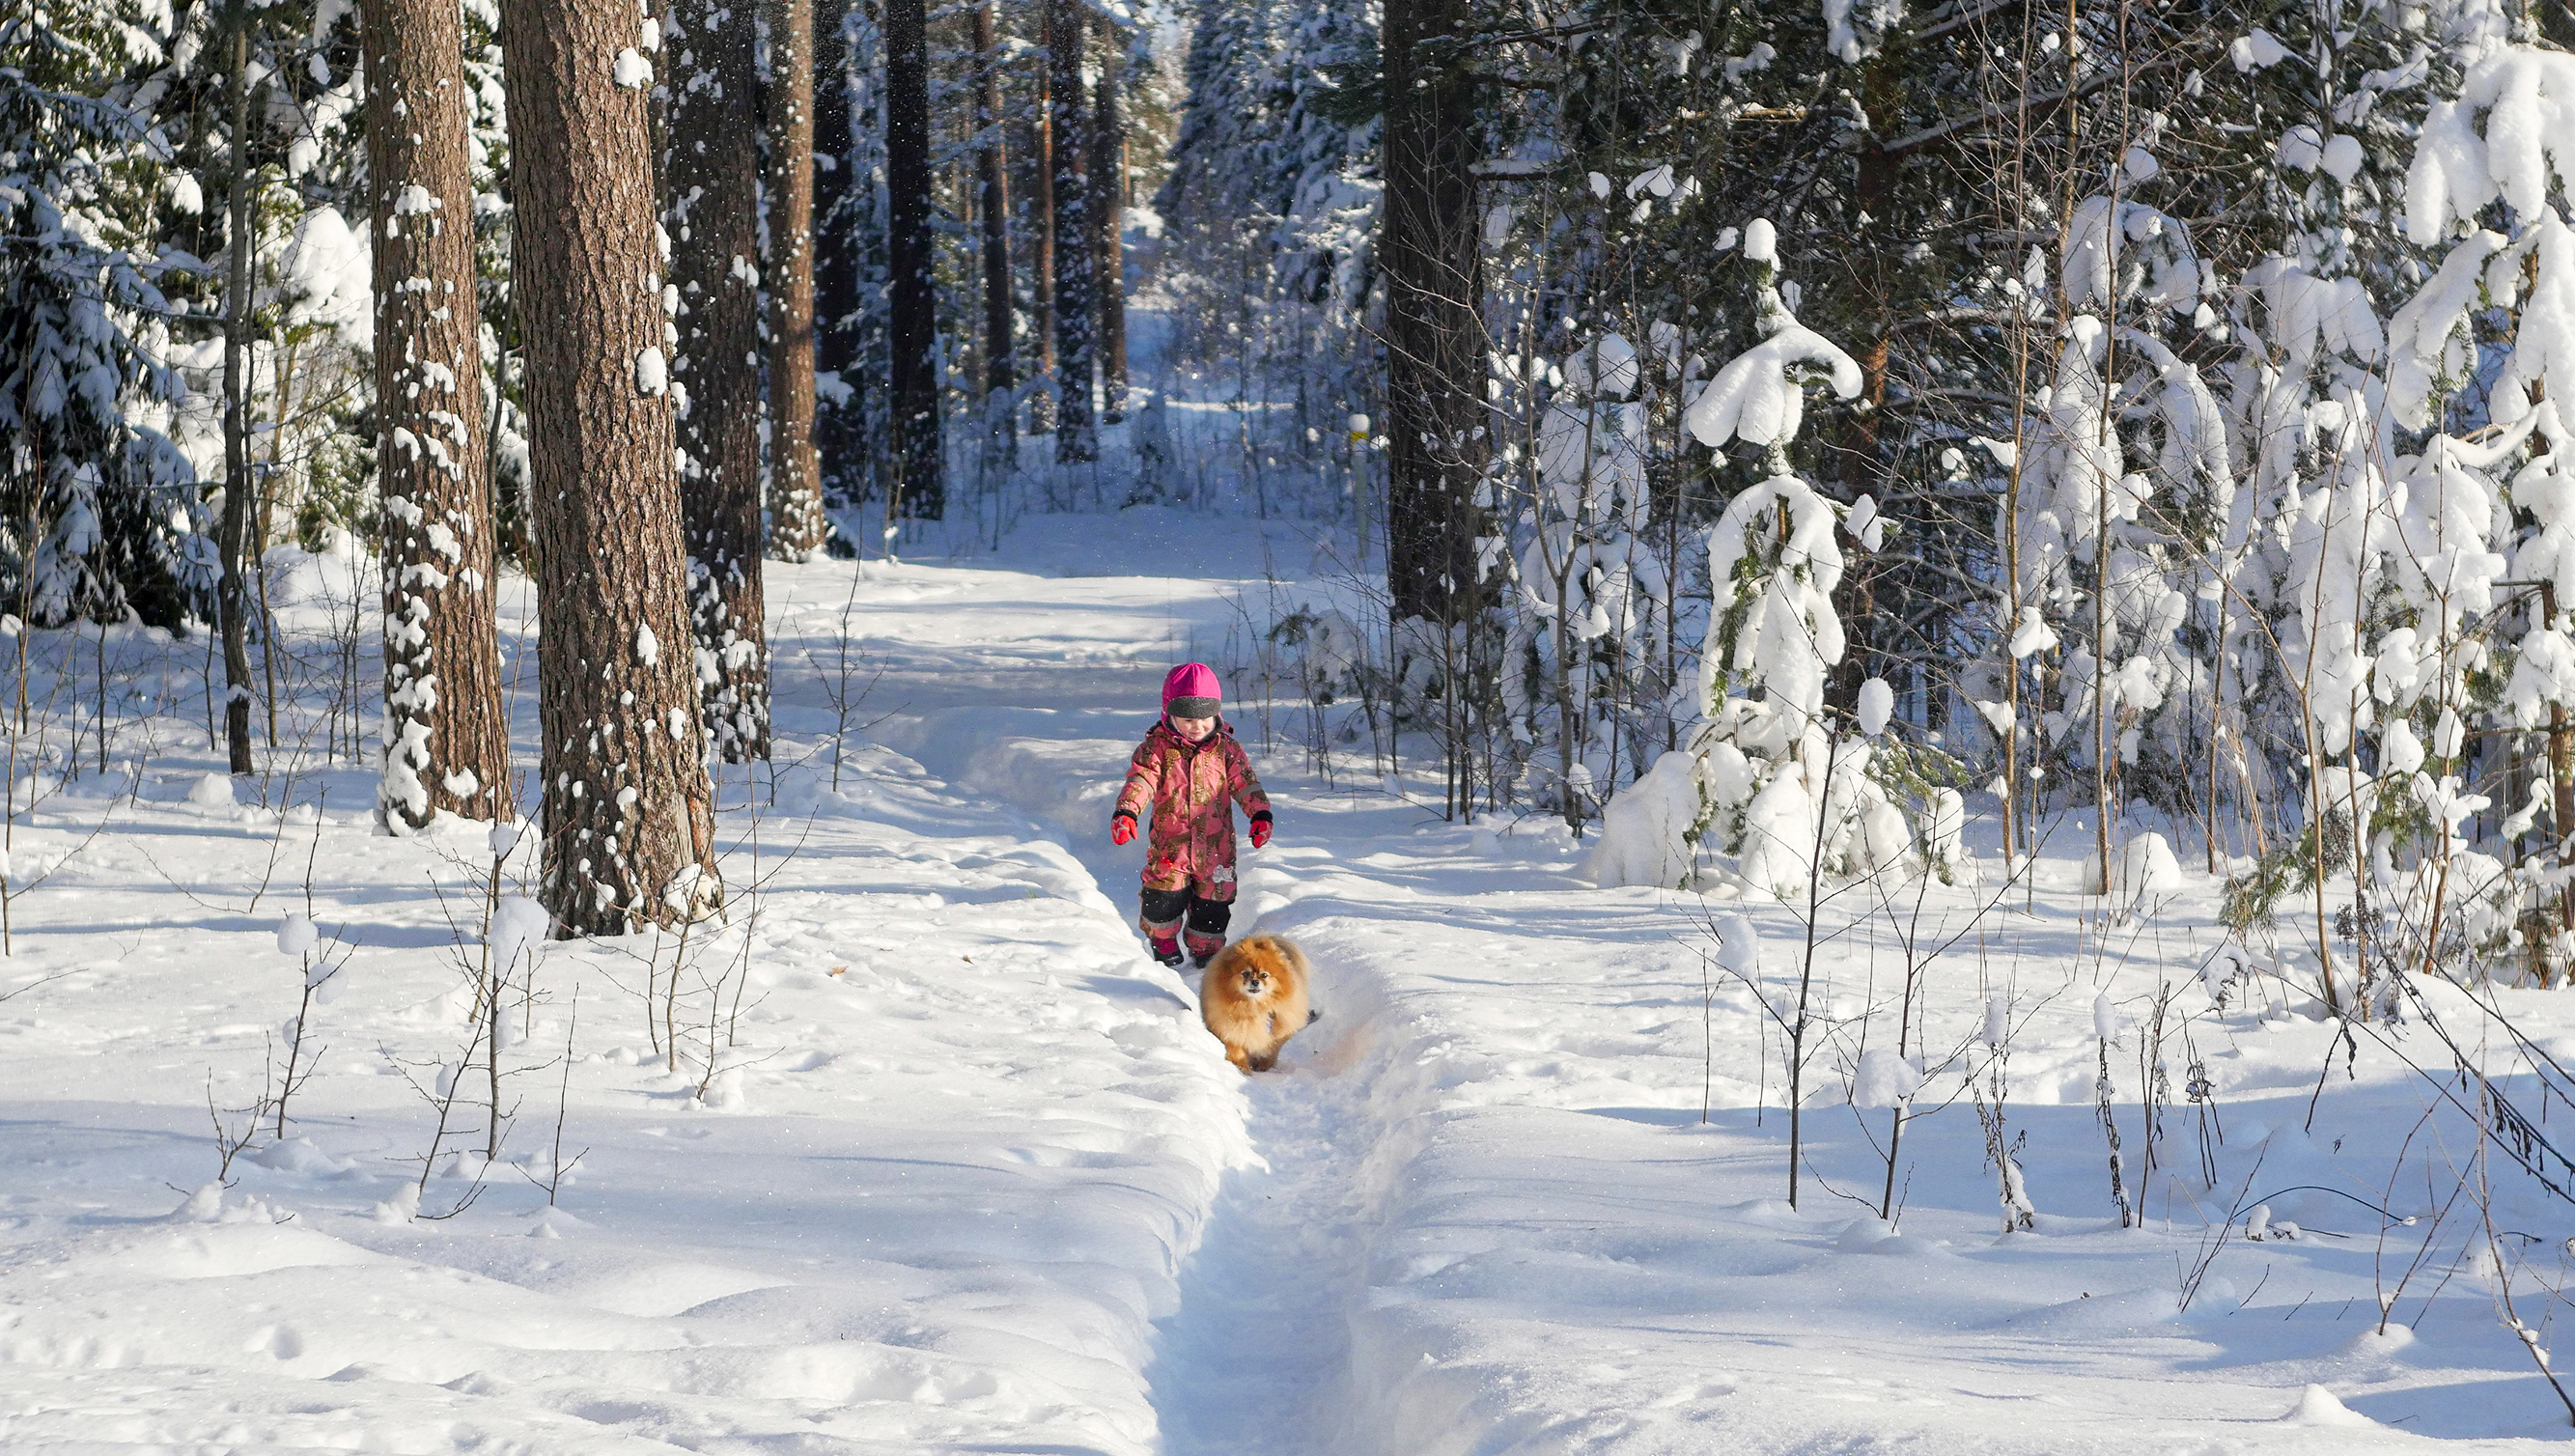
(1260, 833)
(1121, 829)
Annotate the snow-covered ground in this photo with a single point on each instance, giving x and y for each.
(965, 1173)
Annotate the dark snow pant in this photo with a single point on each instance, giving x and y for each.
(1166, 909)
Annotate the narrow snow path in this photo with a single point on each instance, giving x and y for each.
(1251, 1363)
(1254, 1359)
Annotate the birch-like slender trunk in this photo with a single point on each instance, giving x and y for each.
(241, 494)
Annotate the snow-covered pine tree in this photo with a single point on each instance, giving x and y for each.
(91, 484)
(2124, 489)
(1767, 774)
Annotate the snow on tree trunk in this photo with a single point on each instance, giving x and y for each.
(710, 215)
(446, 734)
(628, 811)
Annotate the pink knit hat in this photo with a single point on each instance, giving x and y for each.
(1191, 692)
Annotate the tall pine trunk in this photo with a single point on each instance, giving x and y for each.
(1042, 243)
(241, 492)
(1435, 339)
(447, 736)
(920, 478)
(840, 262)
(1107, 177)
(1077, 435)
(1001, 349)
(711, 214)
(629, 815)
(797, 523)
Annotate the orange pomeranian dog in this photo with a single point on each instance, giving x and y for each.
(1254, 999)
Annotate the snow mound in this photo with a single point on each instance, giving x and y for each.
(2318, 1407)
(2147, 872)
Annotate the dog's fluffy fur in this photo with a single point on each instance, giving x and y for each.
(1254, 999)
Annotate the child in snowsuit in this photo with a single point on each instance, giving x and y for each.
(1192, 772)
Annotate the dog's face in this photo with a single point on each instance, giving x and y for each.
(1256, 983)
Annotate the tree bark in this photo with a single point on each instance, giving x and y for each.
(241, 493)
(1041, 250)
(840, 262)
(1001, 360)
(447, 735)
(1077, 436)
(796, 522)
(711, 214)
(918, 460)
(1434, 338)
(629, 823)
(1107, 181)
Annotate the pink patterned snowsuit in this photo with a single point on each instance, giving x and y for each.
(1192, 790)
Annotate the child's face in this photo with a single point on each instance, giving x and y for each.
(1195, 730)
